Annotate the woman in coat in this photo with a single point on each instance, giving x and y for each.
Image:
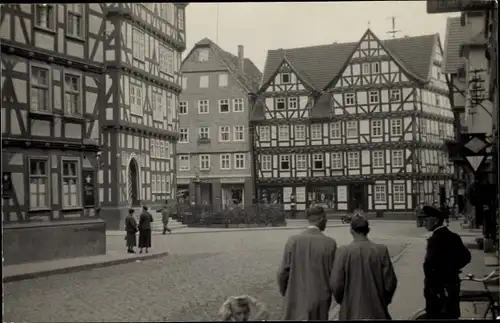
(145, 229)
(131, 230)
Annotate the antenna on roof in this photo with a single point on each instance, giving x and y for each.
(393, 32)
(217, 26)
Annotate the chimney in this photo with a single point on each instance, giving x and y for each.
(241, 58)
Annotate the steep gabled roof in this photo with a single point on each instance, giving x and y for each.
(455, 36)
(249, 77)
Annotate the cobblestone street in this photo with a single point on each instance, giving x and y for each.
(189, 284)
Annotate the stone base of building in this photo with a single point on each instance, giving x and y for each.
(31, 242)
(114, 216)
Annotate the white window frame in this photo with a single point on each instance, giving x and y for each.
(181, 134)
(136, 97)
(154, 184)
(300, 129)
(204, 159)
(293, 103)
(239, 133)
(352, 126)
(166, 60)
(375, 67)
(285, 158)
(203, 106)
(365, 68)
(153, 151)
(266, 163)
(34, 189)
(316, 131)
(203, 133)
(48, 20)
(157, 104)
(398, 193)
(318, 157)
(203, 84)
(282, 78)
(353, 159)
(397, 158)
(224, 133)
(223, 79)
(206, 54)
(373, 97)
(187, 160)
(378, 160)
(75, 197)
(183, 107)
(379, 194)
(138, 44)
(395, 95)
(225, 102)
(376, 128)
(238, 105)
(239, 161)
(280, 101)
(184, 82)
(350, 99)
(37, 87)
(264, 133)
(75, 19)
(396, 127)
(301, 162)
(180, 18)
(336, 160)
(225, 158)
(283, 135)
(335, 130)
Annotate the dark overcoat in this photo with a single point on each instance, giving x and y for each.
(131, 230)
(145, 229)
(304, 273)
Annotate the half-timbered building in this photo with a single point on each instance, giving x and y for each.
(52, 68)
(143, 48)
(353, 125)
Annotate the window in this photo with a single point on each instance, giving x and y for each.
(45, 16)
(266, 162)
(74, 23)
(153, 148)
(138, 44)
(39, 183)
(184, 162)
(135, 97)
(204, 162)
(154, 184)
(398, 192)
(378, 159)
(336, 160)
(224, 133)
(224, 105)
(183, 135)
(203, 54)
(301, 162)
(318, 161)
(397, 158)
(316, 131)
(300, 132)
(239, 134)
(40, 89)
(349, 99)
(353, 159)
(366, 68)
(377, 128)
(239, 161)
(395, 95)
(380, 196)
(157, 103)
(373, 97)
(204, 79)
(203, 133)
(280, 104)
(238, 105)
(223, 79)
(285, 78)
(352, 129)
(292, 103)
(437, 99)
(184, 82)
(71, 185)
(335, 130)
(396, 127)
(203, 106)
(285, 162)
(264, 133)
(225, 161)
(283, 132)
(183, 107)
(375, 67)
(166, 60)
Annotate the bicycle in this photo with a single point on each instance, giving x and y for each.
(476, 296)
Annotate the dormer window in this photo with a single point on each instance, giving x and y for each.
(285, 78)
(203, 55)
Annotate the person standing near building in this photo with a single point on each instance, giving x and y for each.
(363, 279)
(131, 230)
(305, 270)
(165, 216)
(145, 229)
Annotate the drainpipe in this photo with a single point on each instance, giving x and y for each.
(252, 99)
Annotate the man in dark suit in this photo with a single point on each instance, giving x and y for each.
(446, 256)
(304, 274)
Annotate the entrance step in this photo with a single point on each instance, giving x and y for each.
(157, 224)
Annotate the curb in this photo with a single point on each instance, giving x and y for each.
(253, 229)
(77, 268)
(334, 311)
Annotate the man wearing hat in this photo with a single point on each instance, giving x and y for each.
(446, 256)
(363, 280)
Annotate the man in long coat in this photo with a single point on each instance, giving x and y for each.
(305, 270)
(363, 279)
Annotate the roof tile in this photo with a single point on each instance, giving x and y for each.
(455, 36)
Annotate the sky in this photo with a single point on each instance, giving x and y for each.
(262, 26)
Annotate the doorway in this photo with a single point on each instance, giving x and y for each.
(133, 183)
(357, 197)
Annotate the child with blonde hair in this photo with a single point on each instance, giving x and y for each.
(238, 308)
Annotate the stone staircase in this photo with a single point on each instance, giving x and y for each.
(157, 225)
